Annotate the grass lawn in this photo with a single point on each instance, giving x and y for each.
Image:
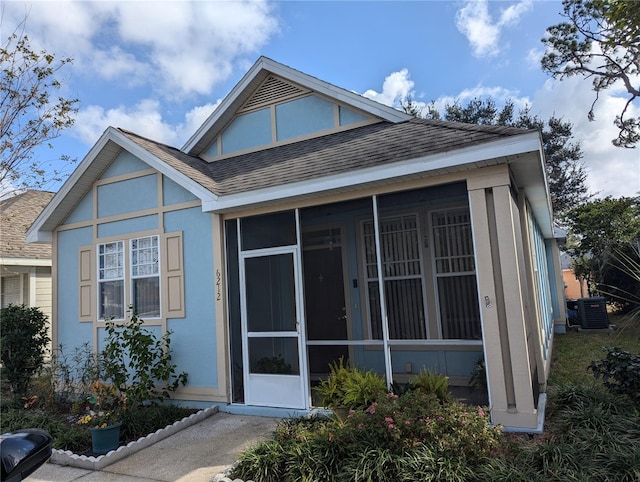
(573, 351)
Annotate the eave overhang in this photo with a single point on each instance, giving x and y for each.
(105, 150)
(522, 152)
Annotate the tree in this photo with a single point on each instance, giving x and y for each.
(566, 174)
(599, 40)
(606, 232)
(23, 340)
(30, 116)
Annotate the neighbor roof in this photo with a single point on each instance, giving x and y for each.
(17, 213)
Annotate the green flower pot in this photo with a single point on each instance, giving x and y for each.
(105, 439)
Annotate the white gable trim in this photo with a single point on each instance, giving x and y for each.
(265, 66)
(91, 167)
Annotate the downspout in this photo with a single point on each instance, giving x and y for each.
(383, 303)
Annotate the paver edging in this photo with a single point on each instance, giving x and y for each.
(66, 457)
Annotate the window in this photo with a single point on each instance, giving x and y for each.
(402, 265)
(455, 274)
(143, 274)
(111, 280)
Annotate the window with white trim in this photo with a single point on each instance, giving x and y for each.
(145, 276)
(111, 280)
(142, 275)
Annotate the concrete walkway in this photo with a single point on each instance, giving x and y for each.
(197, 453)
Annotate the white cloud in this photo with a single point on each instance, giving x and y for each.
(178, 48)
(396, 87)
(144, 119)
(475, 22)
(612, 170)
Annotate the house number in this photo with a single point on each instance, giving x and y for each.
(218, 285)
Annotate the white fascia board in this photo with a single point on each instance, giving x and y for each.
(25, 262)
(35, 234)
(510, 146)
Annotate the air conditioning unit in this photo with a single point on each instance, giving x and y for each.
(592, 313)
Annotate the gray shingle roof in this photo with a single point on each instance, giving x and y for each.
(16, 215)
(339, 153)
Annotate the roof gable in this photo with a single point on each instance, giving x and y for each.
(268, 82)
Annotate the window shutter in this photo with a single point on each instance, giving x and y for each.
(173, 269)
(87, 290)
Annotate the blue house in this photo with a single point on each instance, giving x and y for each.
(302, 223)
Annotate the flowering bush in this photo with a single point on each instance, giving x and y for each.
(416, 418)
(104, 406)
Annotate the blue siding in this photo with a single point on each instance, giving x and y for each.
(555, 302)
(128, 196)
(194, 337)
(303, 116)
(348, 116)
(71, 333)
(125, 163)
(542, 279)
(174, 194)
(212, 150)
(126, 226)
(248, 130)
(83, 211)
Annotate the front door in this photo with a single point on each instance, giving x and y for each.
(271, 324)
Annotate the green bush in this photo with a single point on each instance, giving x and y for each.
(350, 387)
(138, 363)
(441, 441)
(431, 382)
(23, 340)
(620, 372)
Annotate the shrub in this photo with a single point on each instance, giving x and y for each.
(349, 387)
(138, 363)
(620, 372)
(411, 437)
(23, 340)
(431, 382)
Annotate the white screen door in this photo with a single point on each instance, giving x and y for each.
(271, 315)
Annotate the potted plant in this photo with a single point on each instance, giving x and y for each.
(103, 417)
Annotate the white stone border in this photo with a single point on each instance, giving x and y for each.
(66, 457)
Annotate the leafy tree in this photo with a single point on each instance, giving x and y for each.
(565, 172)
(32, 113)
(23, 340)
(599, 40)
(607, 230)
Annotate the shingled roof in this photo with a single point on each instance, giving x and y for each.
(339, 153)
(16, 215)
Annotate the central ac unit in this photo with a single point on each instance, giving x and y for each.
(592, 313)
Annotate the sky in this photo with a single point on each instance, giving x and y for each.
(159, 68)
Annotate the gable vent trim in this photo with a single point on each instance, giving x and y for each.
(273, 90)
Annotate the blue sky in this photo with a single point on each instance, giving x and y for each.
(160, 68)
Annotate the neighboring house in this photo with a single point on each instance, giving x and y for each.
(25, 269)
(574, 288)
(302, 223)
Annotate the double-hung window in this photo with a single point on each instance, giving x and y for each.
(111, 280)
(138, 271)
(145, 276)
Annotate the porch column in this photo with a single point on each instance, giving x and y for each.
(501, 294)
